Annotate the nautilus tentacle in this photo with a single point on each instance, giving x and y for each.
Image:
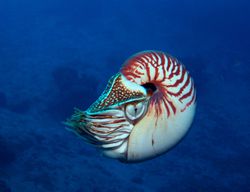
(144, 111)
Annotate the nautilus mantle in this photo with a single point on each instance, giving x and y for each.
(145, 110)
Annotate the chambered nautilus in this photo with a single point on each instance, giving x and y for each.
(145, 110)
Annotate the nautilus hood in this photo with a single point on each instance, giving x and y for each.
(144, 111)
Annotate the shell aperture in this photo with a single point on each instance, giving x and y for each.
(144, 111)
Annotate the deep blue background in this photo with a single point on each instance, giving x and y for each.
(56, 55)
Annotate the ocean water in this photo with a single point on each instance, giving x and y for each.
(57, 55)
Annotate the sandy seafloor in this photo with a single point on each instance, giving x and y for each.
(57, 55)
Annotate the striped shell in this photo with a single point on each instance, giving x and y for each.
(144, 111)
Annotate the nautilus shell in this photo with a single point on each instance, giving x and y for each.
(145, 110)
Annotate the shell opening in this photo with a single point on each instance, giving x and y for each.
(150, 88)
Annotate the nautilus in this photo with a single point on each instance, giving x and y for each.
(145, 110)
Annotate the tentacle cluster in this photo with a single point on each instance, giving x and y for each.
(107, 130)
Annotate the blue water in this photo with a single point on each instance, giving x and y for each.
(57, 55)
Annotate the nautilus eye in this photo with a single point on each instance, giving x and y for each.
(145, 110)
(135, 111)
